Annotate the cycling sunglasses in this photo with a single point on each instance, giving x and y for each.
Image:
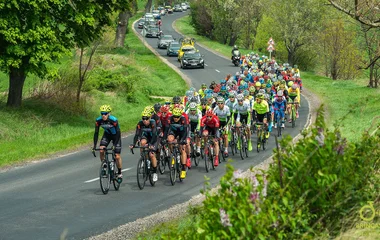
(104, 113)
(176, 116)
(145, 118)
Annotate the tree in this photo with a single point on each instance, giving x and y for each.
(367, 12)
(148, 5)
(339, 52)
(252, 12)
(33, 32)
(372, 48)
(297, 21)
(122, 23)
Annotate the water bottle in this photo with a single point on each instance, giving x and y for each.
(212, 150)
(111, 166)
(148, 164)
(178, 159)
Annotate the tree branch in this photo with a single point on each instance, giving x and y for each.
(356, 15)
(371, 63)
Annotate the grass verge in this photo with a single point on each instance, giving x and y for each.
(348, 102)
(41, 127)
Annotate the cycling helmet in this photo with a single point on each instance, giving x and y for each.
(164, 109)
(203, 101)
(246, 93)
(294, 86)
(231, 94)
(194, 99)
(240, 97)
(280, 93)
(237, 74)
(283, 82)
(157, 107)
(203, 85)
(193, 106)
(177, 111)
(208, 95)
(220, 99)
(257, 84)
(290, 83)
(215, 95)
(252, 89)
(269, 85)
(262, 91)
(149, 109)
(105, 108)
(260, 96)
(209, 113)
(145, 113)
(295, 66)
(223, 88)
(235, 47)
(223, 81)
(192, 89)
(189, 93)
(176, 99)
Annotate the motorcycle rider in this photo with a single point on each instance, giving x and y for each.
(235, 52)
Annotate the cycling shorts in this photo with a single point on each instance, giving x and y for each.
(107, 138)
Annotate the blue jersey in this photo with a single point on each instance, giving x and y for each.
(110, 126)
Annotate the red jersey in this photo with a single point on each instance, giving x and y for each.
(165, 120)
(186, 117)
(212, 123)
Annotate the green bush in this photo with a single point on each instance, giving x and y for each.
(320, 181)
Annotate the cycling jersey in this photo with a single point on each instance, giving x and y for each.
(178, 128)
(261, 107)
(230, 104)
(212, 125)
(223, 114)
(195, 119)
(148, 132)
(294, 93)
(111, 132)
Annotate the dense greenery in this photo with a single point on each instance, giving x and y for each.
(310, 33)
(50, 120)
(321, 181)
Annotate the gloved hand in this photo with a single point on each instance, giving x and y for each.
(183, 142)
(131, 146)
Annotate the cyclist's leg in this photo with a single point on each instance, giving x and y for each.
(103, 144)
(117, 146)
(171, 139)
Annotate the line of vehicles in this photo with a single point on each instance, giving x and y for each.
(184, 48)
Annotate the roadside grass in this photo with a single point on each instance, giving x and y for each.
(41, 127)
(350, 99)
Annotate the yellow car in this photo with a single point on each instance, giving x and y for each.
(183, 49)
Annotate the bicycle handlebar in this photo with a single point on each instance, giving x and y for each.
(102, 149)
(146, 146)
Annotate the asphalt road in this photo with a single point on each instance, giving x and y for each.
(45, 199)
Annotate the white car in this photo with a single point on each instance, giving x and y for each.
(156, 14)
(184, 6)
(148, 15)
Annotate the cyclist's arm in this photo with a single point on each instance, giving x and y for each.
(137, 134)
(249, 118)
(199, 120)
(154, 134)
(96, 134)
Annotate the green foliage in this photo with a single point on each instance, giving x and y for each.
(322, 179)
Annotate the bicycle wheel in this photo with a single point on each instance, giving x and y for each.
(246, 148)
(278, 127)
(179, 169)
(141, 173)
(293, 116)
(207, 161)
(241, 145)
(194, 155)
(161, 163)
(264, 141)
(173, 170)
(104, 177)
(211, 160)
(232, 146)
(259, 141)
(221, 147)
(116, 183)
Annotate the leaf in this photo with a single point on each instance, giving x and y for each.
(320, 173)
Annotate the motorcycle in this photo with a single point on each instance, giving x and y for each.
(236, 60)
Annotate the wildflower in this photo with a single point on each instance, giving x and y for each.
(320, 139)
(238, 174)
(225, 220)
(254, 197)
(264, 191)
(340, 147)
(255, 182)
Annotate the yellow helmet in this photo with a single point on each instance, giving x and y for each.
(258, 84)
(177, 111)
(146, 113)
(290, 83)
(105, 108)
(149, 109)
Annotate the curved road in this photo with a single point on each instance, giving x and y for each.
(48, 198)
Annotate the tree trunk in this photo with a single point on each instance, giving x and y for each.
(371, 68)
(17, 78)
(290, 57)
(122, 25)
(233, 39)
(148, 6)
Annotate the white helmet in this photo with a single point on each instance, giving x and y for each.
(193, 106)
(240, 97)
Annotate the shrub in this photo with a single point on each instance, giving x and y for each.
(307, 191)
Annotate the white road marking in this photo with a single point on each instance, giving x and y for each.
(206, 65)
(95, 179)
(217, 70)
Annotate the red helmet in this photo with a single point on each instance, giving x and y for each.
(209, 113)
(266, 77)
(164, 108)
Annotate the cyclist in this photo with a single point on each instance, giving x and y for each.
(210, 124)
(164, 117)
(203, 106)
(242, 115)
(195, 116)
(223, 92)
(223, 113)
(201, 91)
(146, 133)
(294, 96)
(112, 132)
(261, 110)
(279, 104)
(178, 129)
